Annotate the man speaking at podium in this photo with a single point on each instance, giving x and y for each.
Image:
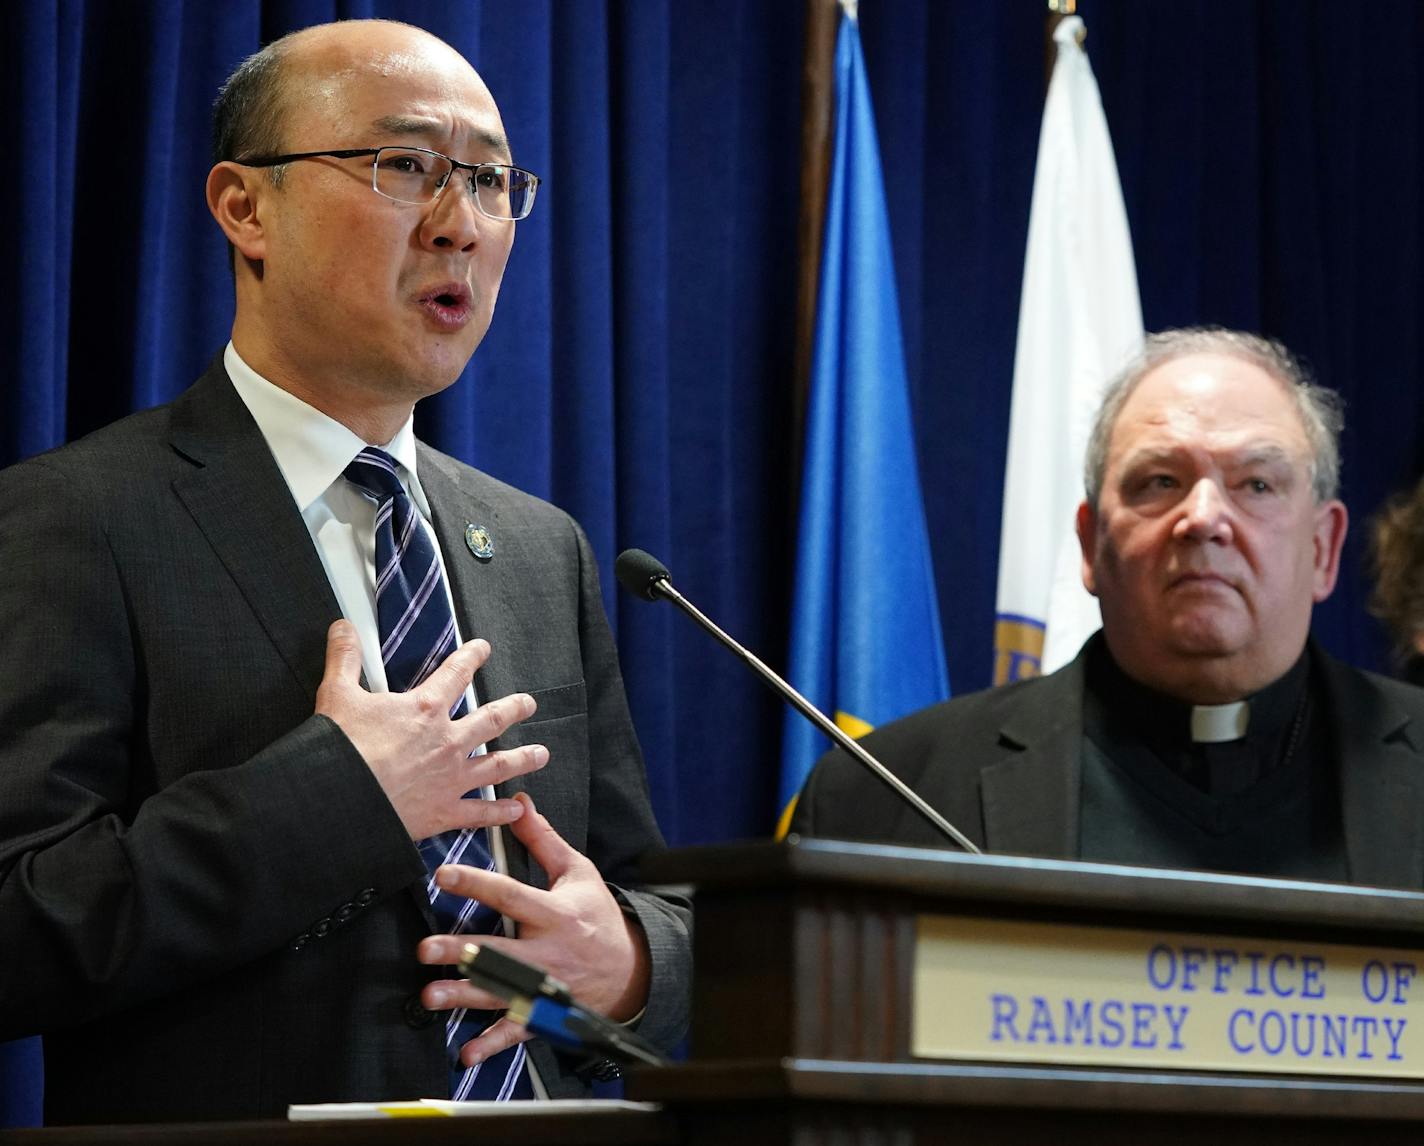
(237, 718)
(1201, 728)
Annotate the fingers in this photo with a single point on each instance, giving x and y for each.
(343, 655)
(491, 769)
(546, 847)
(447, 994)
(524, 904)
(502, 1034)
(474, 814)
(495, 718)
(507, 763)
(446, 950)
(447, 683)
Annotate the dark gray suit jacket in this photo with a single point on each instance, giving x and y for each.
(1004, 766)
(207, 905)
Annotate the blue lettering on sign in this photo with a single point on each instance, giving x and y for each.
(1403, 976)
(1367, 1026)
(1287, 991)
(1238, 1046)
(1255, 957)
(1176, 1016)
(1224, 961)
(1078, 1020)
(1110, 1015)
(1005, 1008)
(1283, 975)
(1143, 1016)
(1310, 985)
(1110, 1023)
(1333, 1031)
(1161, 967)
(1394, 1028)
(1042, 1023)
(1193, 959)
(1270, 1032)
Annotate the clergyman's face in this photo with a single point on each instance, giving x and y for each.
(360, 291)
(1207, 550)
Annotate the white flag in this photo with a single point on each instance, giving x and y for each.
(1079, 322)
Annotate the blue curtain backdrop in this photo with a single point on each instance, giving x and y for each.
(639, 367)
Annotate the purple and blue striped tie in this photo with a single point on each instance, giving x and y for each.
(417, 633)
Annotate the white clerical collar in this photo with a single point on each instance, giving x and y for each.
(1218, 723)
(311, 448)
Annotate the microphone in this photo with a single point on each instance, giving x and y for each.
(544, 1005)
(642, 574)
(645, 576)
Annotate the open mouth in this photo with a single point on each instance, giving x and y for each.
(447, 303)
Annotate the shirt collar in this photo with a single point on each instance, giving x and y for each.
(1133, 708)
(311, 448)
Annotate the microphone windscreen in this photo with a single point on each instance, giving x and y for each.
(638, 571)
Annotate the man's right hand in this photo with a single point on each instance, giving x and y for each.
(420, 757)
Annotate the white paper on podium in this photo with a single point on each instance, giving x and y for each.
(444, 1108)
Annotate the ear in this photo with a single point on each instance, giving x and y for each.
(1332, 521)
(1087, 526)
(234, 193)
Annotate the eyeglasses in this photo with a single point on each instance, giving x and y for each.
(416, 175)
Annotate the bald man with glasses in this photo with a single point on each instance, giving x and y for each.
(294, 705)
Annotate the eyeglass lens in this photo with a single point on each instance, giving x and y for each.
(410, 175)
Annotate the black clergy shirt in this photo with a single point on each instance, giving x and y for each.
(1265, 804)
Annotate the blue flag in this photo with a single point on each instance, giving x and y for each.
(866, 643)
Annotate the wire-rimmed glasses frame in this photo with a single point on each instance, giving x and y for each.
(500, 190)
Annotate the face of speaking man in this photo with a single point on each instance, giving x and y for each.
(1207, 550)
(356, 303)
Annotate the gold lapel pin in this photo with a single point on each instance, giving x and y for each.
(478, 538)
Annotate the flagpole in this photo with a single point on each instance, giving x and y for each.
(1058, 10)
(1080, 319)
(818, 94)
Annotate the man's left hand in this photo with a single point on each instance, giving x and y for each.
(575, 931)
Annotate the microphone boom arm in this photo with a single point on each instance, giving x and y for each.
(661, 586)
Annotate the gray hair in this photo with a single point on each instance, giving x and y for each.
(1321, 409)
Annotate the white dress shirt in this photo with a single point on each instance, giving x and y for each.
(313, 450)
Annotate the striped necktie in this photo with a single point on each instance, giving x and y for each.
(417, 631)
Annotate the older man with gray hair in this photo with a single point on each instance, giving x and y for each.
(1201, 728)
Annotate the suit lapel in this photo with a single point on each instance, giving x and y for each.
(243, 507)
(1381, 780)
(476, 586)
(1031, 793)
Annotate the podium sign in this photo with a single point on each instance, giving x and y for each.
(997, 990)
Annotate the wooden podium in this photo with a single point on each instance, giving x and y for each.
(805, 1010)
(817, 1013)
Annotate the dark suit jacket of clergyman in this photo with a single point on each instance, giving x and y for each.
(1005, 767)
(207, 905)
